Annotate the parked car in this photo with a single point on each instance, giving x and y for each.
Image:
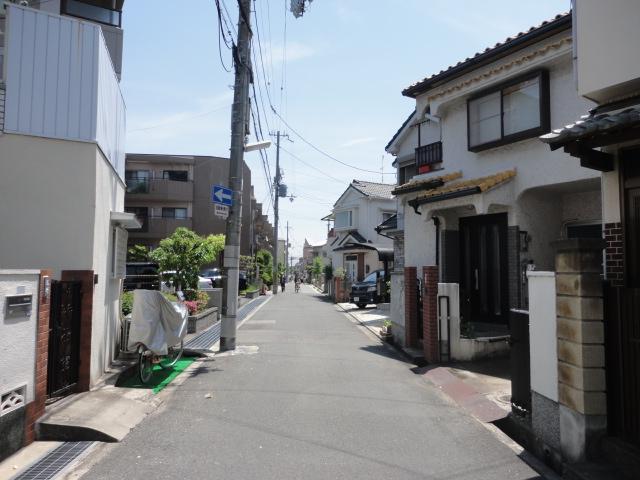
(242, 281)
(142, 275)
(366, 291)
(213, 274)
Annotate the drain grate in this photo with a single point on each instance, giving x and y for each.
(210, 336)
(54, 462)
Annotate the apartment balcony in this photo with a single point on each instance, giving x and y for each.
(159, 189)
(159, 227)
(59, 81)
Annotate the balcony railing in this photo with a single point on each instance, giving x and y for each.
(429, 154)
(159, 227)
(159, 189)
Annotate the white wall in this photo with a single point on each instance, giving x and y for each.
(543, 334)
(18, 335)
(109, 197)
(607, 47)
(60, 82)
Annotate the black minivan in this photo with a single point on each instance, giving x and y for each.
(367, 291)
(143, 275)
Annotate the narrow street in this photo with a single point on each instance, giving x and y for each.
(321, 398)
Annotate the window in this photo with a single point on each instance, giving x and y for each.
(510, 112)
(94, 10)
(177, 213)
(343, 219)
(137, 181)
(584, 230)
(406, 173)
(177, 175)
(387, 215)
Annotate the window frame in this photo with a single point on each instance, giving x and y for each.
(64, 11)
(544, 109)
(349, 213)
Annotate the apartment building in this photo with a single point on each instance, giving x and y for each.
(166, 192)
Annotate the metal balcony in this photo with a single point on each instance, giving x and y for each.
(429, 154)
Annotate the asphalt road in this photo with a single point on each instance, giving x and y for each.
(319, 400)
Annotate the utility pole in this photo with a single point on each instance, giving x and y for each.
(286, 257)
(239, 112)
(276, 215)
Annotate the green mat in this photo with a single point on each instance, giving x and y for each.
(160, 378)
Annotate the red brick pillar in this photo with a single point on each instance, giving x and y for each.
(410, 306)
(430, 314)
(35, 409)
(85, 277)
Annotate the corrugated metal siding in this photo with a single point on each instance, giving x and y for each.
(60, 84)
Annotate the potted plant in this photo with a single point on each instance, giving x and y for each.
(385, 331)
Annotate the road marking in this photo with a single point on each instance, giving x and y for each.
(263, 322)
(248, 317)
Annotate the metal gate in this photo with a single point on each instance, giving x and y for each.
(520, 362)
(622, 338)
(64, 338)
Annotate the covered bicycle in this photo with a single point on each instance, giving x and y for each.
(157, 331)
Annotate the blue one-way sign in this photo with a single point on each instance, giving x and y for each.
(222, 195)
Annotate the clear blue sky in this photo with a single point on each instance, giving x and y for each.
(346, 64)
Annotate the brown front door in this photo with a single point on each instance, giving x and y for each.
(483, 269)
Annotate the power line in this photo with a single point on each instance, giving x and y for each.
(322, 152)
(311, 166)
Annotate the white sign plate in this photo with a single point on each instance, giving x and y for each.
(221, 211)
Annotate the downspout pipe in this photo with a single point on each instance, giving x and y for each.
(436, 222)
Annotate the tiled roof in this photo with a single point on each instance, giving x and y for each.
(426, 183)
(520, 40)
(593, 125)
(463, 187)
(390, 223)
(372, 189)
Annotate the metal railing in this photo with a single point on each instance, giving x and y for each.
(429, 154)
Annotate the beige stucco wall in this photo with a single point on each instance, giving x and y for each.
(48, 205)
(61, 196)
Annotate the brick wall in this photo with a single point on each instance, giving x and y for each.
(36, 408)
(85, 277)
(430, 314)
(613, 236)
(410, 305)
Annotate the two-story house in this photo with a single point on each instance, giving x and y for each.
(353, 244)
(479, 197)
(62, 179)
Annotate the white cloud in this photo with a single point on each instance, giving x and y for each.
(358, 141)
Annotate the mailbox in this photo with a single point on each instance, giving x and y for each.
(18, 306)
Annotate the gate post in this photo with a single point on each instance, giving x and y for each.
(581, 355)
(430, 342)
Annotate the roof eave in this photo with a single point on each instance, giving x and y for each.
(548, 30)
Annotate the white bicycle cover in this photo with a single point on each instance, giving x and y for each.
(156, 322)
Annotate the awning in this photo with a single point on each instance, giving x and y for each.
(597, 130)
(384, 253)
(462, 188)
(125, 220)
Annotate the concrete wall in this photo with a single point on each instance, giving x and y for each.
(542, 334)
(18, 335)
(49, 222)
(603, 28)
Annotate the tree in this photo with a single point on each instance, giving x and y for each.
(265, 260)
(138, 253)
(248, 264)
(184, 253)
(316, 267)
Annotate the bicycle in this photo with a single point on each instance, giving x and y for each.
(147, 359)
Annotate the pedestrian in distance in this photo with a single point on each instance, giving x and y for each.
(282, 282)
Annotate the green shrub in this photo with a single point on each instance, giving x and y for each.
(126, 303)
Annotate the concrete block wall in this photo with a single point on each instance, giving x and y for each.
(581, 351)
